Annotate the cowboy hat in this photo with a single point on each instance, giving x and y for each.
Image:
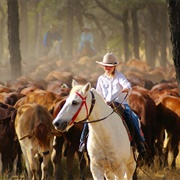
(108, 60)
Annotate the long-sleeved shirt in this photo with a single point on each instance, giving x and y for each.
(86, 37)
(49, 37)
(111, 87)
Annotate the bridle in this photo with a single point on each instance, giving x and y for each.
(78, 111)
(87, 113)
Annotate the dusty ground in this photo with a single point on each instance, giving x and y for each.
(154, 173)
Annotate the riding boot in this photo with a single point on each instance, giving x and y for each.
(139, 144)
(141, 148)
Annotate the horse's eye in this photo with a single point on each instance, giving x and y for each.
(74, 102)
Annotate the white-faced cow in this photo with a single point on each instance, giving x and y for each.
(33, 125)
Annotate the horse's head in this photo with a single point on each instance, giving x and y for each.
(75, 108)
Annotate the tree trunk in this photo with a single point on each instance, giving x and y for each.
(2, 25)
(24, 27)
(163, 36)
(174, 19)
(126, 36)
(38, 24)
(135, 33)
(124, 20)
(151, 48)
(69, 29)
(37, 34)
(13, 37)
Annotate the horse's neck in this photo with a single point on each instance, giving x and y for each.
(110, 119)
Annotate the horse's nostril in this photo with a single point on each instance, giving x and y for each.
(56, 124)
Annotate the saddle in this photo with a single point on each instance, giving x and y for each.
(119, 109)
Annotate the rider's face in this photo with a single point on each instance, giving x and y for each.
(109, 69)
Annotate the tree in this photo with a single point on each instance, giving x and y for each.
(124, 19)
(2, 25)
(13, 37)
(174, 19)
(23, 26)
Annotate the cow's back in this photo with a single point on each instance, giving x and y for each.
(28, 115)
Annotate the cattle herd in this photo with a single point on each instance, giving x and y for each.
(29, 143)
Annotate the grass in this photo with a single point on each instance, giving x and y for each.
(146, 173)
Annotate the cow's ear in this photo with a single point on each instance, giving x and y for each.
(51, 110)
(27, 135)
(55, 132)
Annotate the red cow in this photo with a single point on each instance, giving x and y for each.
(143, 105)
(9, 146)
(168, 111)
(12, 97)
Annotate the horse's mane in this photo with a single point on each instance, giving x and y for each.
(79, 87)
(99, 95)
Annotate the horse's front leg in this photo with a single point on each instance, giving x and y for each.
(70, 159)
(57, 158)
(97, 171)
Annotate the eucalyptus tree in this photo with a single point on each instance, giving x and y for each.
(2, 28)
(23, 27)
(174, 19)
(13, 37)
(143, 30)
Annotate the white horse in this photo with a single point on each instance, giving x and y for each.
(108, 143)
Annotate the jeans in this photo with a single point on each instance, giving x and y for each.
(131, 116)
(84, 133)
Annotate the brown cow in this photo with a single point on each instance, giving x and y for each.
(168, 111)
(33, 125)
(9, 146)
(30, 88)
(156, 94)
(5, 89)
(58, 87)
(143, 105)
(39, 96)
(12, 97)
(162, 86)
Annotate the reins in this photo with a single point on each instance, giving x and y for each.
(91, 108)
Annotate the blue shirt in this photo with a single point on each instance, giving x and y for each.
(86, 37)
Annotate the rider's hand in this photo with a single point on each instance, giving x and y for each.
(125, 90)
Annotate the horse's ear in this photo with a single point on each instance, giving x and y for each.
(86, 88)
(74, 83)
